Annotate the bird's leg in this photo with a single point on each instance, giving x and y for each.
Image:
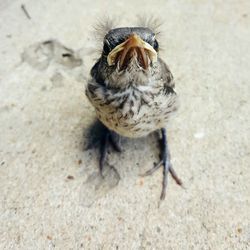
(167, 166)
(109, 137)
(115, 141)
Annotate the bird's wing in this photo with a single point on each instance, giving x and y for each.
(166, 75)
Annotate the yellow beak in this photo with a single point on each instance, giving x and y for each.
(134, 46)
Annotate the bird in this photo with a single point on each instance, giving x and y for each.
(132, 91)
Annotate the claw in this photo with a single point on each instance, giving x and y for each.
(153, 169)
(174, 175)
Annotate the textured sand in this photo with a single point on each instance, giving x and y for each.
(51, 194)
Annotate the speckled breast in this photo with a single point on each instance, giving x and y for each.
(133, 112)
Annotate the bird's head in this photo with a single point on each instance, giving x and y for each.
(128, 53)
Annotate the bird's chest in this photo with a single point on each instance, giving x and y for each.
(134, 112)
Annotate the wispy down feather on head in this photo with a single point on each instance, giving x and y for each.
(102, 27)
(105, 24)
(151, 22)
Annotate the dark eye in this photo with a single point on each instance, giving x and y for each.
(156, 45)
(106, 47)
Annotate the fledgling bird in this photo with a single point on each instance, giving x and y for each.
(132, 91)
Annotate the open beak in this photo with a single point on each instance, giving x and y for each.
(133, 47)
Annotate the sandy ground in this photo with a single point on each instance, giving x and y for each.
(51, 196)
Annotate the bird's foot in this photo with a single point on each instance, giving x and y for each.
(167, 166)
(109, 138)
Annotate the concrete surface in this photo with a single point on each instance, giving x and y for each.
(51, 197)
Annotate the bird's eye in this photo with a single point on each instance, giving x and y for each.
(156, 45)
(106, 47)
